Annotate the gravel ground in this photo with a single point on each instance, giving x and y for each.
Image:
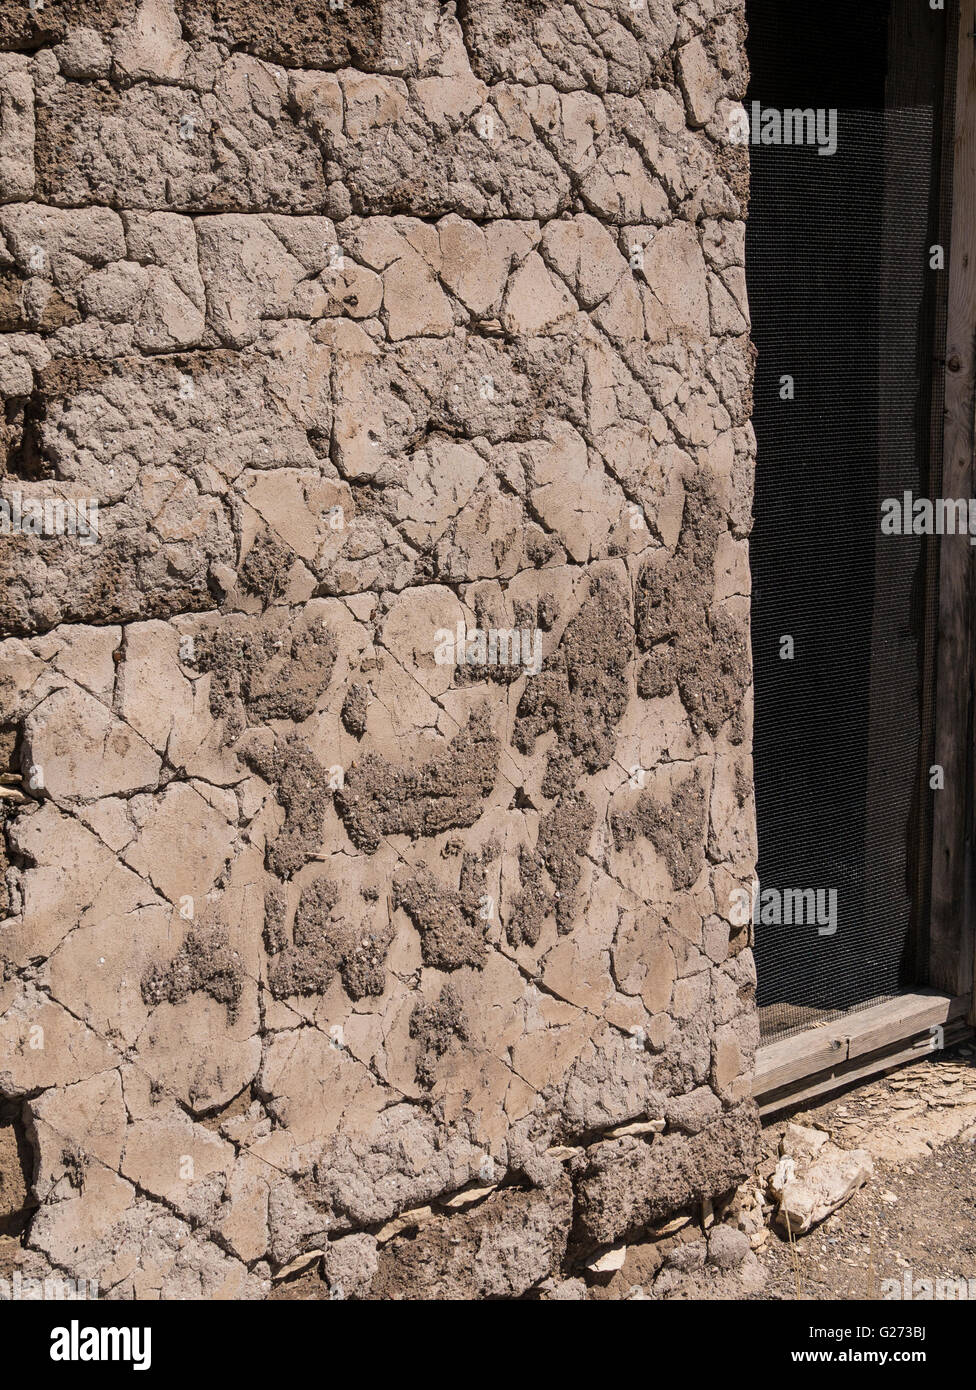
(918, 1211)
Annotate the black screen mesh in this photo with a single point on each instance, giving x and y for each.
(843, 302)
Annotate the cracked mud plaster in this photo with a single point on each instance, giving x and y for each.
(376, 776)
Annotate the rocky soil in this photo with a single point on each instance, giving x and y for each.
(917, 1214)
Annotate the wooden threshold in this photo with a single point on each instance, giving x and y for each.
(817, 1061)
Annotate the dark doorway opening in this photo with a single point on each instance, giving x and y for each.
(848, 308)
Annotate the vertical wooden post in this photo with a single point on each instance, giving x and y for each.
(919, 85)
(951, 937)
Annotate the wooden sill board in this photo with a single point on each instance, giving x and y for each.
(859, 1045)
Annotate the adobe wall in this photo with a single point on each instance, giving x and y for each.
(362, 326)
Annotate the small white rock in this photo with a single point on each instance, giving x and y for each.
(610, 1261)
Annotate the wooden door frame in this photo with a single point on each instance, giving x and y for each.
(950, 952)
(942, 1008)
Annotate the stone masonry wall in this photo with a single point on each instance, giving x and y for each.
(371, 327)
